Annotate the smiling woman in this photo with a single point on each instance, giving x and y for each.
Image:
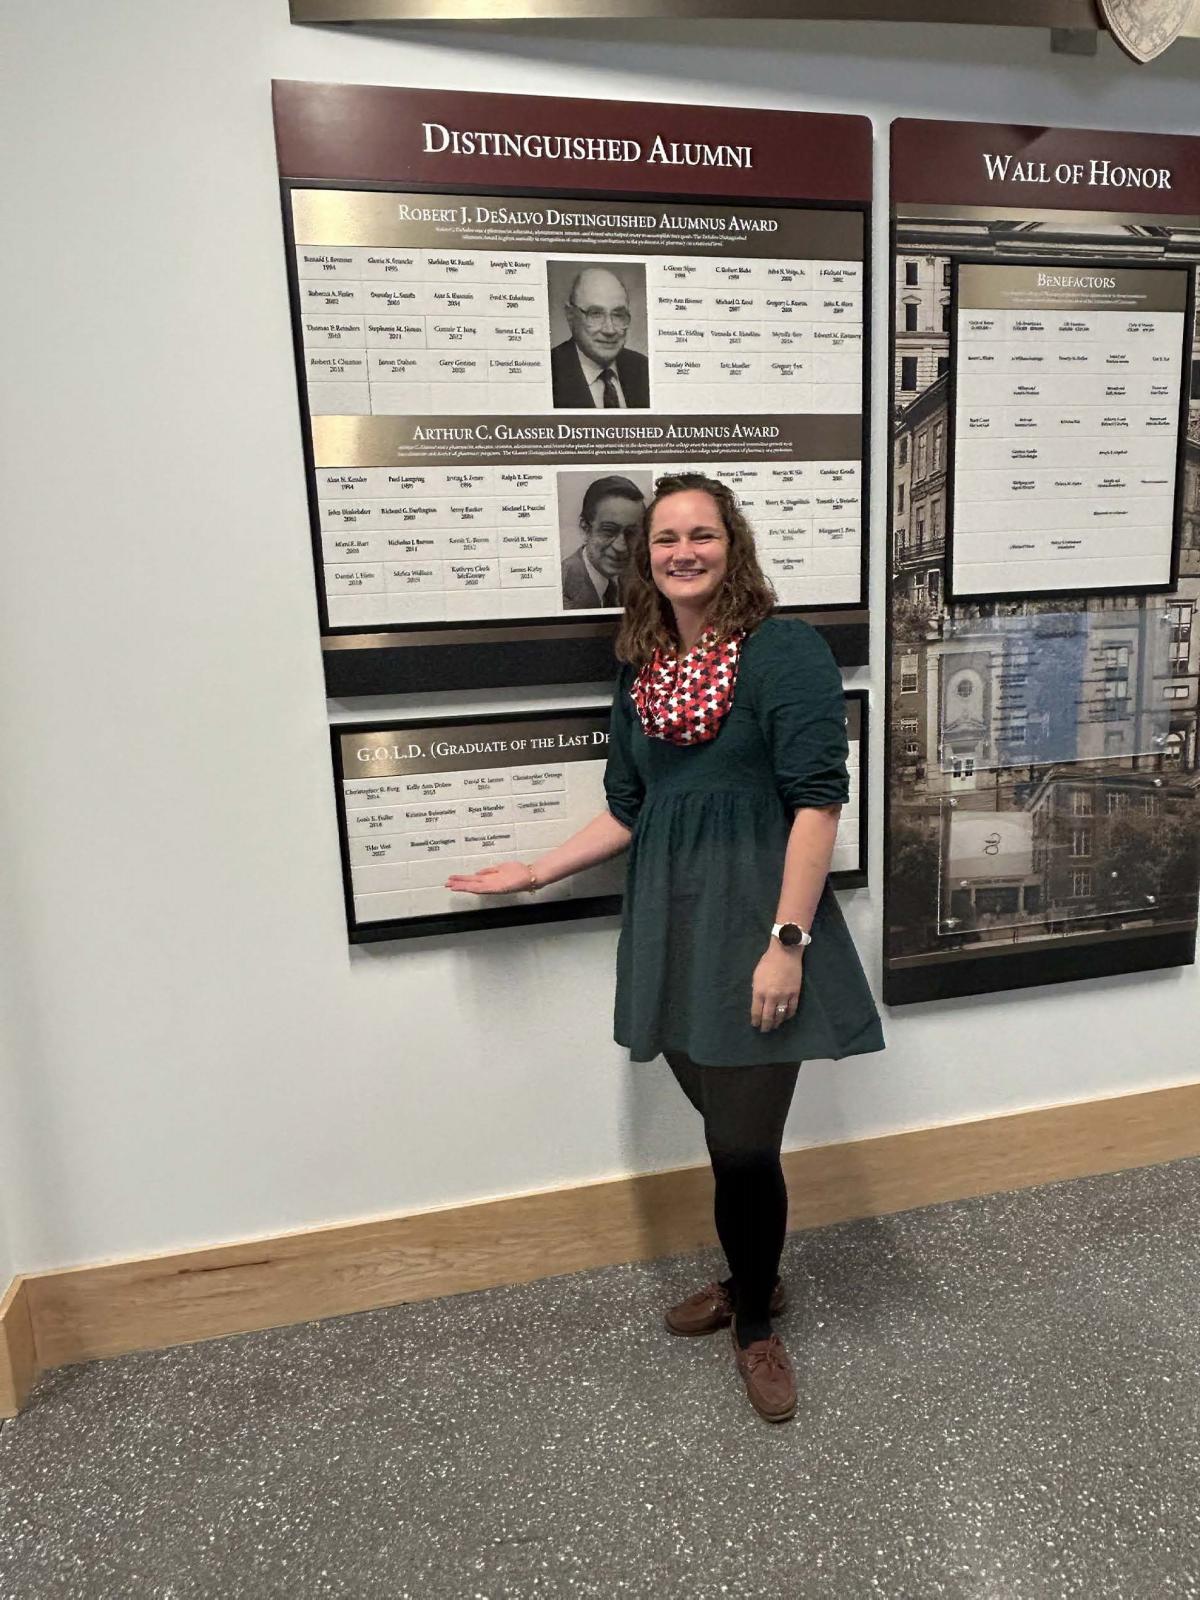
(725, 778)
(697, 567)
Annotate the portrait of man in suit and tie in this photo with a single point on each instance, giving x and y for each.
(608, 516)
(603, 307)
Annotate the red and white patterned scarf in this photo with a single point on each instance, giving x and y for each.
(685, 699)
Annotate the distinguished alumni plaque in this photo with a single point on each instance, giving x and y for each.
(512, 317)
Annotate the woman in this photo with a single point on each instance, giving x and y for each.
(725, 779)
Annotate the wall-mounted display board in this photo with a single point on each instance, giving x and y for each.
(418, 801)
(848, 867)
(1042, 810)
(512, 314)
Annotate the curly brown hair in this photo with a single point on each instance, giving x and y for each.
(744, 600)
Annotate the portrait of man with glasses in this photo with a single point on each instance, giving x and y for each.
(601, 516)
(595, 366)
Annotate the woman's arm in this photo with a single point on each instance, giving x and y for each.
(596, 841)
(806, 864)
(778, 975)
(802, 710)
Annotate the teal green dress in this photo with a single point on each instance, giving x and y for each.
(710, 829)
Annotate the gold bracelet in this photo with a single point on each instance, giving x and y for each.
(534, 885)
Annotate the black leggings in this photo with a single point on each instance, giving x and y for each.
(744, 1110)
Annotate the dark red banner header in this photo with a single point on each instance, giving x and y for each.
(1070, 169)
(353, 133)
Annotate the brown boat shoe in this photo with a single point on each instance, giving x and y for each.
(770, 1381)
(711, 1308)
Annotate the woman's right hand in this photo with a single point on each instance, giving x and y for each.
(507, 877)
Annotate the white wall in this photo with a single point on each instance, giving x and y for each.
(11, 1013)
(8, 1261)
(200, 1056)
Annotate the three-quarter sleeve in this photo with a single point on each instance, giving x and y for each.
(802, 711)
(623, 786)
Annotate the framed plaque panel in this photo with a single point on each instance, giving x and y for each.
(1068, 429)
(512, 314)
(418, 801)
(848, 869)
(1042, 791)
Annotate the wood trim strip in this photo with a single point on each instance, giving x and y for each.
(83, 1313)
(18, 1364)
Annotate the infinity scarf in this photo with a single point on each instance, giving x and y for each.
(685, 699)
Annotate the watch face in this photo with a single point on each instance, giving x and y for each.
(790, 933)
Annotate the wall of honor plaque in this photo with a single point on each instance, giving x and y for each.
(1044, 501)
(513, 314)
(418, 801)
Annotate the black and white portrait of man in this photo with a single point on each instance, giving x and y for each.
(604, 311)
(600, 517)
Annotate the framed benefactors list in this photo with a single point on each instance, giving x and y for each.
(1070, 413)
(512, 314)
(419, 800)
(1042, 793)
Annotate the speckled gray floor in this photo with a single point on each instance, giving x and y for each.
(998, 1398)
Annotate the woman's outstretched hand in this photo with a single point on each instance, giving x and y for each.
(507, 877)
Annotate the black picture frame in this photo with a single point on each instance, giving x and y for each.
(1099, 260)
(477, 915)
(858, 726)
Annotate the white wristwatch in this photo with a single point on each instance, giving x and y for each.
(791, 934)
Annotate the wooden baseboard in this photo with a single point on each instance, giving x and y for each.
(82, 1313)
(18, 1365)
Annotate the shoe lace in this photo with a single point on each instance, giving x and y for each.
(767, 1353)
